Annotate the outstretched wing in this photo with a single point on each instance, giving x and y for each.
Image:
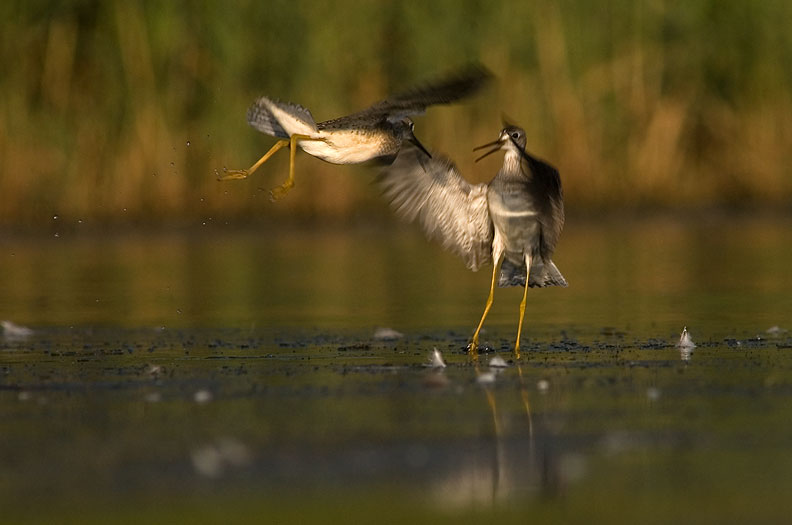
(449, 208)
(450, 88)
(280, 119)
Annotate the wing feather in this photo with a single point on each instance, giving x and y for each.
(446, 90)
(449, 208)
(545, 180)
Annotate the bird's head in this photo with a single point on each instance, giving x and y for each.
(405, 129)
(511, 138)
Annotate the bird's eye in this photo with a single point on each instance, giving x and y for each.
(515, 135)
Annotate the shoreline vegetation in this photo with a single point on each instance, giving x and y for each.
(123, 113)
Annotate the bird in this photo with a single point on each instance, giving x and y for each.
(373, 134)
(514, 221)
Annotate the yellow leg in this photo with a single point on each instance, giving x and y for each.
(522, 307)
(473, 346)
(243, 174)
(279, 191)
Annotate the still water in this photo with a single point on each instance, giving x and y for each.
(281, 375)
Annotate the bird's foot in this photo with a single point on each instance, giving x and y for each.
(472, 349)
(234, 175)
(517, 352)
(280, 191)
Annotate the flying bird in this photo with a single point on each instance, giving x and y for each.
(373, 134)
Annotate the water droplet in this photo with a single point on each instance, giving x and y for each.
(55, 217)
(173, 163)
(57, 234)
(188, 143)
(178, 311)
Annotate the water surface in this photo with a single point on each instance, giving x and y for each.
(214, 375)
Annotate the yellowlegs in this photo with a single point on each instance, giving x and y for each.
(375, 133)
(514, 221)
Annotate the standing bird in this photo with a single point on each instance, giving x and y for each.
(375, 133)
(515, 220)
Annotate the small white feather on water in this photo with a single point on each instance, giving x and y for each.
(775, 330)
(154, 370)
(685, 345)
(436, 359)
(15, 331)
(685, 341)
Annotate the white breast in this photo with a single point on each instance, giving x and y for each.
(515, 219)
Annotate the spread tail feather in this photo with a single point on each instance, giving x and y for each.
(280, 119)
(542, 274)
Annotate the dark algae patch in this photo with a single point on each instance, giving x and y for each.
(134, 416)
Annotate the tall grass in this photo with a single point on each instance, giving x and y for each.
(125, 111)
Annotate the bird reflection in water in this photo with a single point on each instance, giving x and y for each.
(519, 460)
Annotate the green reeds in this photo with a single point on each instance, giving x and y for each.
(122, 112)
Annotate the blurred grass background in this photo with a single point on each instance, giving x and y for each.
(124, 112)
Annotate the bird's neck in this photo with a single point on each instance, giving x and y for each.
(511, 161)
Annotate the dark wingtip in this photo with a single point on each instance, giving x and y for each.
(451, 87)
(466, 81)
(475, 76)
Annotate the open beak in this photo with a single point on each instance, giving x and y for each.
(495, 145)
(417, 143)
